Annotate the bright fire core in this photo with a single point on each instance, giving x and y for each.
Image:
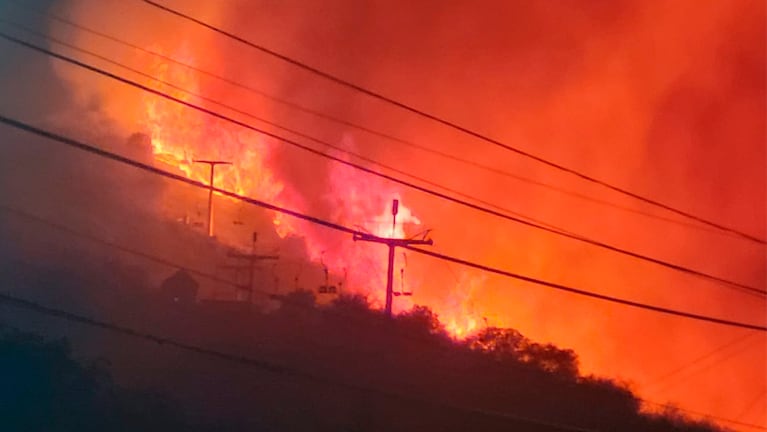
(180, 135)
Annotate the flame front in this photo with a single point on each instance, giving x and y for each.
(180, 135)
(663, 99)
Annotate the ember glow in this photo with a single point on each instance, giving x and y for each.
(178, 137)
(667, 99)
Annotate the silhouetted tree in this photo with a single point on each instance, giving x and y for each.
(509, 345)
(45, 389)
(421, 321)
(298, 301)
(42, 388)
(353, 303)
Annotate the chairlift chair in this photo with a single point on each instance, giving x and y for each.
(402, 279)
(402, 285)
(326, 288)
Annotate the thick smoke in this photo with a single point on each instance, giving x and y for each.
(666, 99)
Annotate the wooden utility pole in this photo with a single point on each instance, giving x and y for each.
(250, 267)
(392, 243)
(212, 165)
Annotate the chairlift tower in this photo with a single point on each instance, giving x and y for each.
(212, 164)
(252, 258)
(392, 243)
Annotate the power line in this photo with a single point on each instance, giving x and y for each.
(752, 403)
(448, 123)
(342, 122)
(278, 126)
(697, 360)
(119, 247)
(704, 369)
(191, 270)
(744, 287)
(338, 227)
(264, 365)
(708, 367)
(194, 271)
(566, 288)
(339, 120)
(334, 312)
(167, 262)
(709, 416)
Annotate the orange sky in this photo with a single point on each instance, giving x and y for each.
(665, 99)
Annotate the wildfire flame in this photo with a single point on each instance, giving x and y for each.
(668, 90)
(179, 136)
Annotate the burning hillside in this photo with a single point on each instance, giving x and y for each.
(667, 100)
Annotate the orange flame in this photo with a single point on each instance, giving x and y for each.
(179, 136)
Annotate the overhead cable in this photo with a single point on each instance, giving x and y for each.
(698, 273)
(339, 227)
(450, 124)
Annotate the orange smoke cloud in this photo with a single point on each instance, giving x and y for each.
(666, 99)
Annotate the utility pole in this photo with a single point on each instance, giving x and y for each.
(212, 164)
(392, 243)
(252, 259)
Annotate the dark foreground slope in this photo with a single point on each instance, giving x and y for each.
(298, 367)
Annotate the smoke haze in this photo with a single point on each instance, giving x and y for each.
(664, 99)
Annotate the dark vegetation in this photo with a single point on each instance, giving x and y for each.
(46, 389)
(336, 367)
(341, 367)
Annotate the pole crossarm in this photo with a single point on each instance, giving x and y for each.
(252, 258)
(390, 241)
(211, 186)
(212, 162)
